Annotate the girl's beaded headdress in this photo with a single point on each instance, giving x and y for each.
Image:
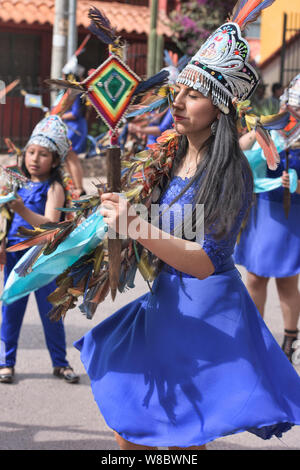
(220, 68)
(51, 132)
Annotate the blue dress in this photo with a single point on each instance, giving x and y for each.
(192, 361)
(34, 198)
(78, 128)
(269, 245)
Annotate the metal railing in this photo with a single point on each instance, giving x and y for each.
(290, 49)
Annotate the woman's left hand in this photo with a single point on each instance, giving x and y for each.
(285, 180)
(117, 212)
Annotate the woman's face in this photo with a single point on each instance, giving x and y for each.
(192, 112)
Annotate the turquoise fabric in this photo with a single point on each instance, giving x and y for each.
(258, 165)
(80, 242)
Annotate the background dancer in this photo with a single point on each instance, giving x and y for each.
(35, 205)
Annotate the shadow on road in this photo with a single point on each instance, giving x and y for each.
(22, 437)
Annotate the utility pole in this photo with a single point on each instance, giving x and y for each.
(152, 39)
(59, 40)
(72, 29)
(159, 56)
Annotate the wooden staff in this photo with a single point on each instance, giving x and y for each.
(113, 162)
(286, 191)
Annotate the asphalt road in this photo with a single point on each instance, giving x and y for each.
(41, 412)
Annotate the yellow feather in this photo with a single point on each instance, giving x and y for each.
(99, 256)
(147, 271)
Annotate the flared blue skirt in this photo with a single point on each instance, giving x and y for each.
(189, 363)
(269, 245)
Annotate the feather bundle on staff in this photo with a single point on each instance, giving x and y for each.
(141, 182)
(101, 27)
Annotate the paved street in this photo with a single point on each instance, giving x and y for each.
(40, 412)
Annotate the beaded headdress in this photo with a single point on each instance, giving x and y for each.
(291, 98)
(51, 133)
(220, 68)
(291, 95)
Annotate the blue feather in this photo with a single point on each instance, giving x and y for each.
(182, 62)
(237, 9)
(167, 58)
(249, 9)
(279, 123)
(149, 108)
(101, 26)
(255, 13)
(155, 80)
(23, 269)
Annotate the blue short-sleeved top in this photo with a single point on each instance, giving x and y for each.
(219, 251)
(34, 198)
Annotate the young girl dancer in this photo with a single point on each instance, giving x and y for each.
(35, 205)
(193, 360)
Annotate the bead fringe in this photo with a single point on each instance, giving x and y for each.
(206, 85)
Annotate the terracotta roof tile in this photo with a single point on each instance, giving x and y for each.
(128, 18)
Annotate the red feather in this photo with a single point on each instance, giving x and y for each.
(270, 152)
(65, 102)
(249, 12)
(39, 239)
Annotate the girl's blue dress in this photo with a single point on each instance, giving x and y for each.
(192, 361)
(269, 245)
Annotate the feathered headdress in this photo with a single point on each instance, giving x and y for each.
(220, 67)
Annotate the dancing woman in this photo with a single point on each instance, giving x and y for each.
(192, 360)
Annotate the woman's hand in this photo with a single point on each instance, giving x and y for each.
(17, 205)
(117, 213)
(285, 180)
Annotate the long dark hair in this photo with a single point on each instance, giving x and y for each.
(225, 174)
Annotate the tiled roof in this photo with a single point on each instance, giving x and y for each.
(128, 18)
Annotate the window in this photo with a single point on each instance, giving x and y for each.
(253, 31)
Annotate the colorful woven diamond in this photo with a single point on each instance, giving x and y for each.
(110, 88)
